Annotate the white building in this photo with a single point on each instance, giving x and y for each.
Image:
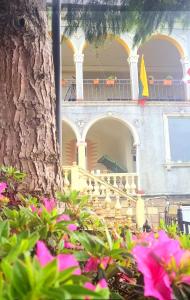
(102, 121)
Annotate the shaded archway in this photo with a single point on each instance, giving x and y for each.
(107, 59)
(69, 145)
(162, 56)
(106, 71)
(110, 139)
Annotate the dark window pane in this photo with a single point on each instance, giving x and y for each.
(179, 133)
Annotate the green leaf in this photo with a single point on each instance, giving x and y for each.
(109, 239)
(57, 294)
(49, 274)
(4, 229)
(20, 282)
(78, 291)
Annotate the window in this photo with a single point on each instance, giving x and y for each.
(179, 138)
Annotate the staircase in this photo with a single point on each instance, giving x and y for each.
(113, 195)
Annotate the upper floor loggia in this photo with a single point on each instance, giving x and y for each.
(109, 71)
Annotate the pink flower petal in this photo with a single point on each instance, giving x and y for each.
(104, 262)
(43, 254)
(49, 204)
(151, 260)
(3, 186)
(33, 208)
(72, 227)
(66, 261)
(63, 218)
(89, 286)
(92, 264)
(185, 279)
(103, 283)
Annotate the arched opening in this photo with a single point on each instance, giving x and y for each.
(110, 147)
(68, 70)
(106, 71)
(162, 60)
(69, 145)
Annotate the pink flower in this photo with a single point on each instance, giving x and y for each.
(185, 279)
(94, 262)
(72, 227)
(151, 261)
(43, 254)
(69, 245)
(3, 186)
(102, 284)
(104, 262)
(90, 286)
(65, 261)
(63, 218)
(35, 209)
(49, 204)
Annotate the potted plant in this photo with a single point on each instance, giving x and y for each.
(96, 81)
(110, 81)
(168, 81)
(64, 82)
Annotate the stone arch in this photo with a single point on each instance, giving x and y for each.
(117, 38)
(69, 43)
(118, 118)
(173, 40)
(73, 127)
(70, 137)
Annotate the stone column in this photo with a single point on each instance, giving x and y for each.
(78, 59)
(186, 77)
(133, 64)
(82, 154)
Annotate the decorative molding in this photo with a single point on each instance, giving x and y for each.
(78, 58)
(133, 59)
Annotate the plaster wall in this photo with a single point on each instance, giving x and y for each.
(148, 122)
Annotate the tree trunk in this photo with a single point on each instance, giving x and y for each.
(27, 96)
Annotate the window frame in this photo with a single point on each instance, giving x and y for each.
(168, 161)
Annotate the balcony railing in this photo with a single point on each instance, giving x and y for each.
(111, 90)
(168, 90)
(120, 90)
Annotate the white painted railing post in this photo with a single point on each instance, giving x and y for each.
(140, 211)
(75, 181)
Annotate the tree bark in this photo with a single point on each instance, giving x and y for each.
(27, 96)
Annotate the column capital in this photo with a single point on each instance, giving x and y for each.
(78, 58)
(81, 143)
(133, 58)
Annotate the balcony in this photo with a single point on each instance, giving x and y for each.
(120, 90)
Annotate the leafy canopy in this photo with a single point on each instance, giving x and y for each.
(98, 18)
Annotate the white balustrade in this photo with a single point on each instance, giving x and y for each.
(127, 182)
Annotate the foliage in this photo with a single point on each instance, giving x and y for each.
(100, 18)
(48, 253)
